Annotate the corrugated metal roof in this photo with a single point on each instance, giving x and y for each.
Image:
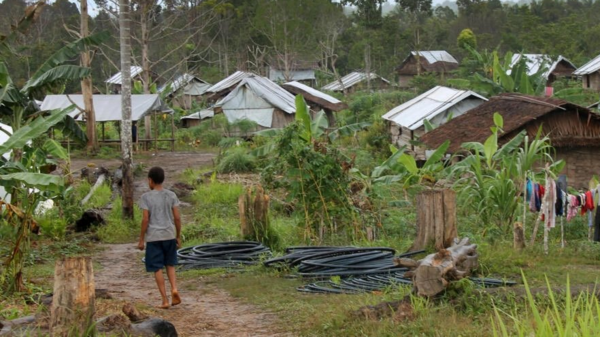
(265, 89)
(108, 107)
(229, 81)
(351, 79)
(295, 75)
(202, 114)
(588, 68)
(433, 56)
(184, 80)
(535, 62)
(314, 92)
(116, 78)
(428, 105)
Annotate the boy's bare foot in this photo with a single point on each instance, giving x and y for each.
(163, 306)
(175, 298)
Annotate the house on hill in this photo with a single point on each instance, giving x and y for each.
(406, 122)
(356, 81)
(429, 61)
(558, 67)
(260, 100)
(316, 100)
(293, 70)
(225, 86)
(185, 89)
(574, 131)
(590, 74)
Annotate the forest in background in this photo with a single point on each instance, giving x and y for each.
(213, 38)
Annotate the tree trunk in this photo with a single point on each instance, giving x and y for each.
(86, 87)
(73, 298)
(436, 219)
(146, 66)
(432, 274)
(126, 146)
(254, 215)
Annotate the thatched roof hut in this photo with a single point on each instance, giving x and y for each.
(573, 130)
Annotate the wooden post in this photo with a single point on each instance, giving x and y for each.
(173, 132)
(74, 294)
(436, 219)
(155, 134)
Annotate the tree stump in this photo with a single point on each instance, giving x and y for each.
(518, 236)
(432, 274)
(436, 219)
(74, 294)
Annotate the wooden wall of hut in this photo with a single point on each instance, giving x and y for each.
(281, 119)
(591, 81)
(401, 136)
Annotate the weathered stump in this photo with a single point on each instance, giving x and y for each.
(432, 274)
(74, 295)
(436, 219)
(254, 214)
(518, 236)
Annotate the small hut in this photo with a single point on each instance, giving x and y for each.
(429, 61)
(185, 89)
(356, 81)
(225, 86)
(590, 74)
(438, 105)
(115, 81)
(295, 69)
(317, 100)
(574, 131)
(558, 67)
(260, 100)
(108, 109)
(196, 118)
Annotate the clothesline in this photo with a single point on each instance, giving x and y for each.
(553, 200)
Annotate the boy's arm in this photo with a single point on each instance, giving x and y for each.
(145, 219)
(177, 219)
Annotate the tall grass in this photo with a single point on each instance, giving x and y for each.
(118, 230)
(565, 316)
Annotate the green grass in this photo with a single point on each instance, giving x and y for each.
(117, 230)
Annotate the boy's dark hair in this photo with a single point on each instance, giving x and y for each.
(157, 175)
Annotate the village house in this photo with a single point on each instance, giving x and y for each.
(317, 100)
(406, 122)
(357, 81)
(555, 68)
(114, 82)
(225, 86)
(259, 100)
(194, 119)
(419, 62)
(574, 131)
(590, 74)
(292, 70)
(185, 89)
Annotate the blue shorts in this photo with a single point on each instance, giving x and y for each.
(160, 254)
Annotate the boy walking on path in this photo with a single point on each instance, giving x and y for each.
(161, 232)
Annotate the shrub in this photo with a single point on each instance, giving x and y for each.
(236, 160)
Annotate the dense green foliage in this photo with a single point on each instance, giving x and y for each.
(212, 38)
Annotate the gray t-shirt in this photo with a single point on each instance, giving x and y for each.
(159, 204)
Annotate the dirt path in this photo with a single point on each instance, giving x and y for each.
(205, 311)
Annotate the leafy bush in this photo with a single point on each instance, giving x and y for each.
(424, 82)
(236, 160)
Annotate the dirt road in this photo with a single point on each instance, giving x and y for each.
(206, 310)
